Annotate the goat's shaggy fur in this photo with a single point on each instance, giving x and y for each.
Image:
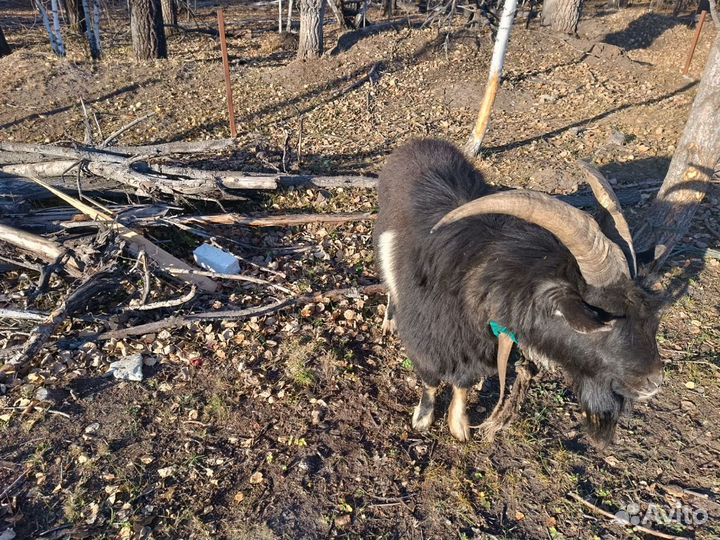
(445, 287)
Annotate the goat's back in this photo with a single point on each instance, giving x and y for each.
(421, 182)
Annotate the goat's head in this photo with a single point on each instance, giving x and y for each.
(601, 329)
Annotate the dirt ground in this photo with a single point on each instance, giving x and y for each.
(297, 425)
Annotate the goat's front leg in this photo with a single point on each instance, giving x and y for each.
(388, 325)
(424, 413)
(457, 417)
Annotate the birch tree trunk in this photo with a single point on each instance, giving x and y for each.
(56, 42)
(312, 13)
(288, 26)
(562, 15)
(472, 147)
(93, 27)
(56, 26)
(691, 169)
(146, 25)
(4, 47)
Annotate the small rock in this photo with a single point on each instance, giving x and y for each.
(690, 385)
(52, 395)
(617, 137)
(128, 368)
(93, 428)
(256, 478)
(150, 361)
(166, 471)
(343, 521)
(7, 534)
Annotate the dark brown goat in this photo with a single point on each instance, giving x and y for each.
(455, 255)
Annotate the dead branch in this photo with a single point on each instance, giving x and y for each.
(232, 277)
(83, 152)
(180, 147)
(174, 302)
(115, 134)
(273, 221)
(42, 248)
(259, 311)
(22, 315)
(136, 242)
(98, 281)
(615, 519)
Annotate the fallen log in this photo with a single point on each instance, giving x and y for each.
(47, 250)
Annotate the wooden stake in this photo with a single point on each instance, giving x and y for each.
(691, 52)
(226, 65)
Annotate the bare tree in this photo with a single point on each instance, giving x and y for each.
(562, 15)
(691, 169)
(312, 13)
(169, 15)
(146, 25)
(92, 26)
(53, 30)
(75, 15)
(4, 47)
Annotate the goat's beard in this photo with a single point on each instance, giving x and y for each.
(602, 408)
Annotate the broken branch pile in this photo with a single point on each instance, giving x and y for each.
(82, 271)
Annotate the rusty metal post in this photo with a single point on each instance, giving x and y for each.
(691, 52)
(226, 65)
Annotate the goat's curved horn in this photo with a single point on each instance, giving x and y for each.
(609, 201)
(601, 261)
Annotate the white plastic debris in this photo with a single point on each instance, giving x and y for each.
(129, 368)
(215, 259)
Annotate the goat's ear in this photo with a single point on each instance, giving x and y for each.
(582, 317)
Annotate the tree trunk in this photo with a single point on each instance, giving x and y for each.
(336, 6)
(691, 169)
(389, 7)
(312, 13)
(75, 15)
(474, 143)
(4, 47)
(169, 15)
(146, 25)
(562, 15)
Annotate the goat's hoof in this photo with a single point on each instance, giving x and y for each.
(459, 427)
(388, 326)
(422, 418)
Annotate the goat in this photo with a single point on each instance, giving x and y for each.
(455, 255)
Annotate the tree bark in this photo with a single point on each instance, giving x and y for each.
(169, 15)
(75, 15)
(146, 25)
(4, 47)
(336, 6)
(691, 169)
(562, 15)
(312, 13)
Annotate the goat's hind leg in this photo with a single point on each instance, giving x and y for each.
(424, 413)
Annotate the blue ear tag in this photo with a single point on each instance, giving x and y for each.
(498, 329)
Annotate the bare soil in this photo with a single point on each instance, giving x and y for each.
(298, 425)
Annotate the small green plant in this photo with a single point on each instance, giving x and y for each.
(407, 364)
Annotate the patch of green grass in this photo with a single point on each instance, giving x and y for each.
(216, 406)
